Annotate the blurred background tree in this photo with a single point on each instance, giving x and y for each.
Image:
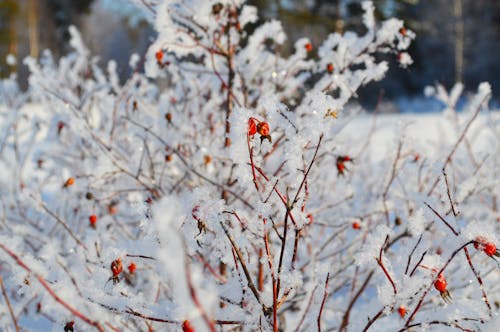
(457, 40)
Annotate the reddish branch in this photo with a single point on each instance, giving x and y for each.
(449, 194)
(411, 254)
(273, 279)
(325, 296)
(479, 280)
(345, 318)
(250, 282)
(289, 207)
(12, 315)
(62, 223)
(172, 321)
(192, 292)
(47, 287)
(420, 302)
(307, 309)
(217, 276)
(382, 266)
(442, 219)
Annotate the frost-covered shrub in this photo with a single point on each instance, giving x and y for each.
(241, 197)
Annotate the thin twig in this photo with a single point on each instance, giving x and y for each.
(460, 139)
(47, 287)
(61, 222)
(382, 266)
(449, 194)
(251, 285)
(345, 318)
(325, 295)
(442, 219)
(4, 292)
(412, 252)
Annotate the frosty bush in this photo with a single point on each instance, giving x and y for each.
(237, 198)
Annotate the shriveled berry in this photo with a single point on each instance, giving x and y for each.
(116, 268)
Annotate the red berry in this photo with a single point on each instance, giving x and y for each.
(440, 284)
(490, 249)
(187, 327)
(402, 311)
(252, 127)
(116, 267)
(263, 128)
(69, 182)
(329, 67)
(308, 47)
(131, 268)
(356, 225)
(93, 220)
(159, 56)
(340, 168)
